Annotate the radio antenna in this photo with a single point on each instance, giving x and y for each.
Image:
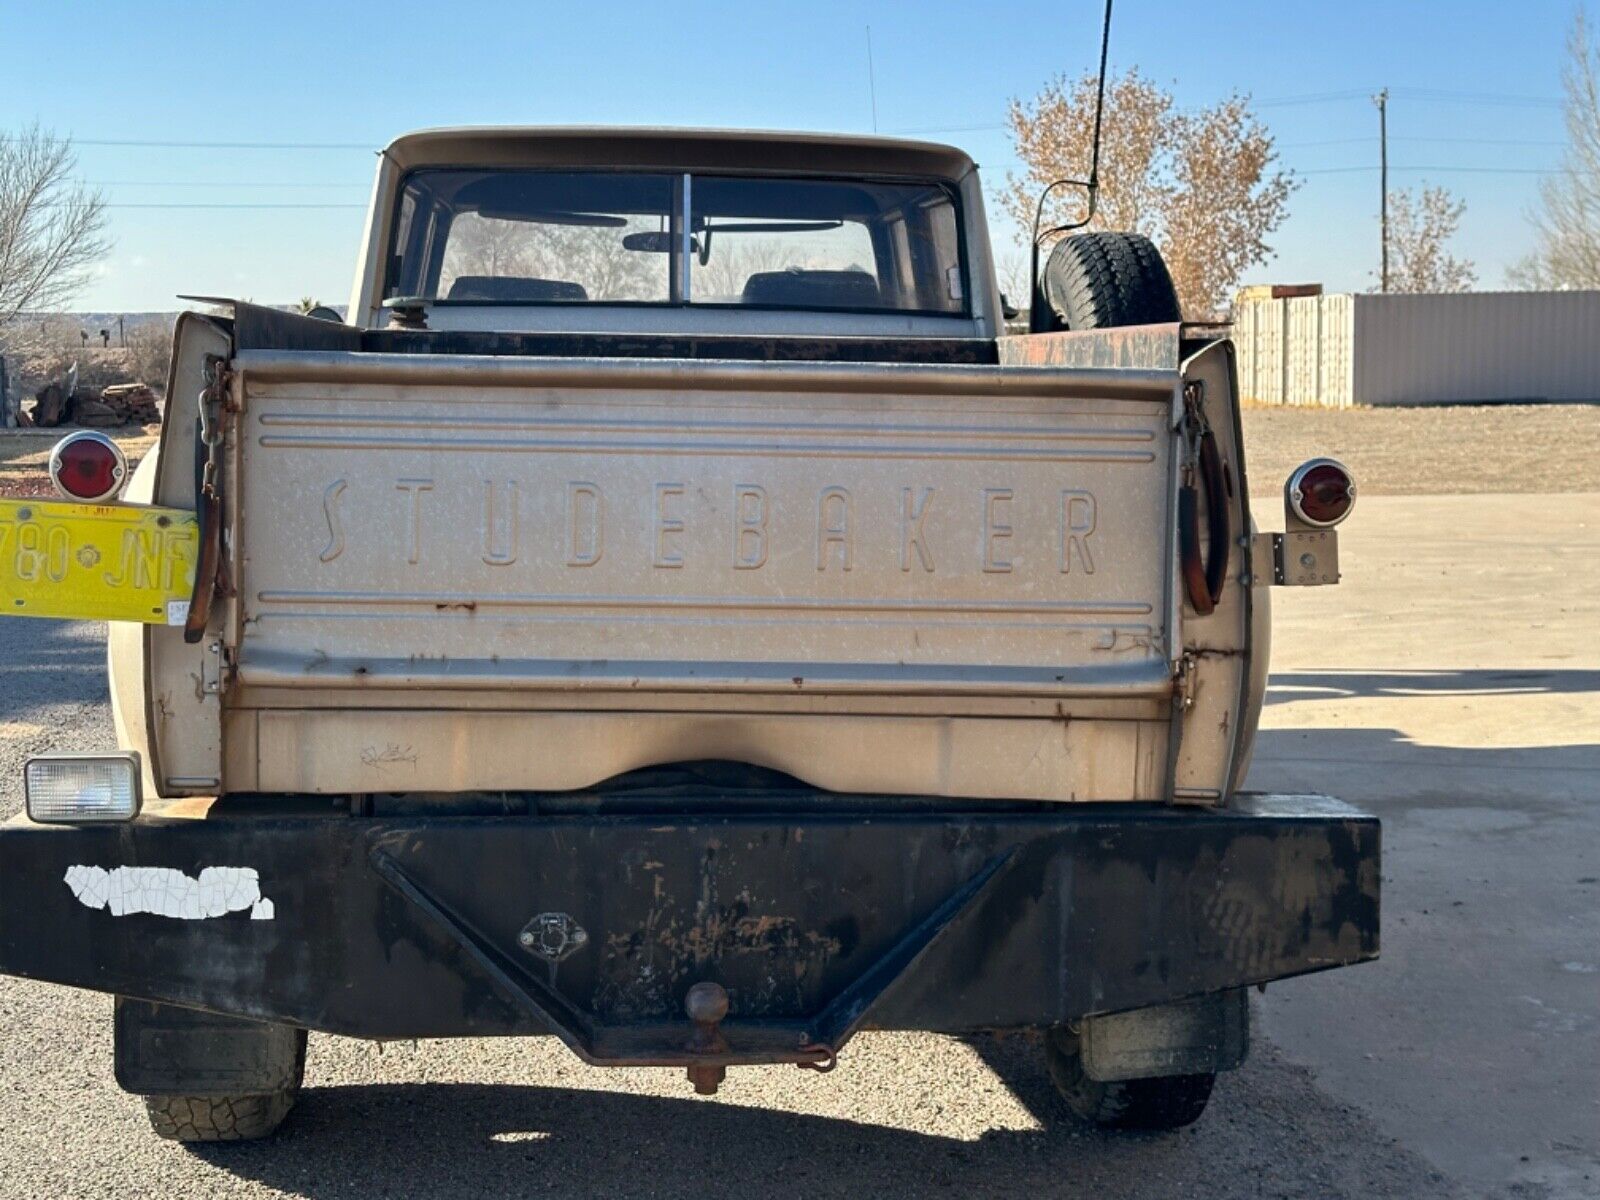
(872, 81)
(1091, 186)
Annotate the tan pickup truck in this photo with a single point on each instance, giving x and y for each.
(669, 613)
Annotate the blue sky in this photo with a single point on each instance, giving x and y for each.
(1474, 87)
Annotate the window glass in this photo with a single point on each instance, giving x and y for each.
(557, 237)
(806, 243)
(536, 237)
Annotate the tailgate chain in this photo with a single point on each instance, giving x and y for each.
(209, 575)
(1203, 577)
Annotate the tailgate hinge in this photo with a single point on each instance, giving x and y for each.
(1183, 681)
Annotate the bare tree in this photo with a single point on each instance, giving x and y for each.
(593, 258)
(52, 228)
(1202, 184)
(1567, 221)
(1420, 228)
(733, 259)
(1012, 269)
(150, 353)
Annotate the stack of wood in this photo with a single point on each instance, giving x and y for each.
(135, 403)
(119, 404)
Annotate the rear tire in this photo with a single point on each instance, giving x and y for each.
(226, 1118)
(1105, 280)
(1161, 1102)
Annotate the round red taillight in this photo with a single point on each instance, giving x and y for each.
(1321, 492)
(87, 466)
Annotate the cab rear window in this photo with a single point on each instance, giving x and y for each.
(608, 237)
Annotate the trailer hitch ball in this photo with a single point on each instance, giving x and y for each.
(707, 1004)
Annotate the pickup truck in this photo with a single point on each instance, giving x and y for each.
(669, 612)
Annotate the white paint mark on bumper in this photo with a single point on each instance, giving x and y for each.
(166, 892)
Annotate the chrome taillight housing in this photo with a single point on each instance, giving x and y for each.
(87, 465)
(1320, 493)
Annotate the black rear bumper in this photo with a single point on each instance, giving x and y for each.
(594, 927)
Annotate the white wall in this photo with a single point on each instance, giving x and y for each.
(1477, 346)
(1338, 350)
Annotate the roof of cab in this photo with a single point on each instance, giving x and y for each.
(676, 150)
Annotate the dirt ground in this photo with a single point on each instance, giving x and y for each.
(1539, 448)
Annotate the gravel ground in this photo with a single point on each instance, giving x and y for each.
(1544, 448)
(905, 1114)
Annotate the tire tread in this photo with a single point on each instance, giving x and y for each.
(1105, 280)
(225, 1118)
(1161, 1103)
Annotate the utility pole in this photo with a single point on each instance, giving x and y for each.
(1382, 101)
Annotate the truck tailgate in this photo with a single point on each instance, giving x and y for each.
(465, 573)
(599, 525)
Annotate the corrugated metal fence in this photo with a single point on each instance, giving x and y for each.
(1337, 350)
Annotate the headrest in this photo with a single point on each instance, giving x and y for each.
(813, 289)
(512, 289)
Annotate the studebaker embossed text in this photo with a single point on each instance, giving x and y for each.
(980, 529)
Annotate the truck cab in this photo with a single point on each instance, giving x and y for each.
(678, 232)
(670, 613)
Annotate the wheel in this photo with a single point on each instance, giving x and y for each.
(1162, 1102)
(226, 1118)
(1103, 280)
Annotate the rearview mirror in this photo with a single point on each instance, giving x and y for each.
(652, 242)
(655, 242)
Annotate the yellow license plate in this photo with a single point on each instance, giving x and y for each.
(98, 562)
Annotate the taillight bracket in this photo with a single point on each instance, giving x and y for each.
(1299, 558)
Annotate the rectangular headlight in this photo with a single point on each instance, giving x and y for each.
(71, 789)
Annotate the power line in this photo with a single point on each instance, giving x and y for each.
(1453, 141)
(1440, 168)
(202, 183)
(952, 129)
(169, 145)
(1345, 141)
(1443, 95)
(1466, 141)
(231, 205)
(1313, 98)
(1437, 95)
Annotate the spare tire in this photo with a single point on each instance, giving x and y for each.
(1102, 280)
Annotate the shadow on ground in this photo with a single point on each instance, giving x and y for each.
(1332, 685)
(50, 662)
(1270, 1133)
